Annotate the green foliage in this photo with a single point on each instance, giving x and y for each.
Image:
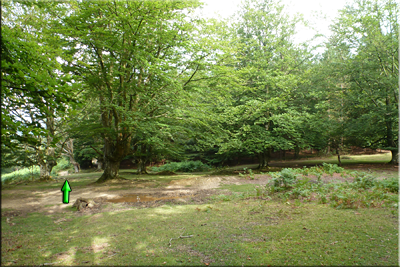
(283, 180)
(364, 181)
(247, 173)
(184, 166)
(389, 184)
(365, 191)
(20, 175)
(62, 164)
(331, 168)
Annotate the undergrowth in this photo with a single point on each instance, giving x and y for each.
(33, 172)
(365, 191)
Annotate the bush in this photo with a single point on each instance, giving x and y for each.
(283, 180)
(184, 166)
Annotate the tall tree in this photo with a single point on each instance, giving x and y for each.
(261, 118)
(366, 41)
(34, 92)
(136, 58)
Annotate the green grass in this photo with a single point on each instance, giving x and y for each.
(239, 188)
(238, 228)
(354, 159)
(242, 232)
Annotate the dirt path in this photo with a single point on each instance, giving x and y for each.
(50, 200)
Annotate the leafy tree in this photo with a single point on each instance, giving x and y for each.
(261, 118)
(135, 59)
(366, 42)
(34, 91)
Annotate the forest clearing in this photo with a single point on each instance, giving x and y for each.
(203, 219)
(150, 133)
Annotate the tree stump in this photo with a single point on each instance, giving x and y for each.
(84, 203)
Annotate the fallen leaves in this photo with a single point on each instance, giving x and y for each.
(12, 249)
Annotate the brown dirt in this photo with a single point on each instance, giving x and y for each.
(192, 190)
(20, 202)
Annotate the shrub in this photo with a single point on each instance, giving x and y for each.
(283, 180)
(365, 191)
(184, 166)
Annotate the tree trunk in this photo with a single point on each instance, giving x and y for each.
(44, 171)
(69, 150)
(338, 156)
(45, 165)
(284, 155)
(114, 152)
(141, 166)
(77, 167)
(296, 152)
(395, 157)
(264, 158)
(47, 162)
(260, 161)
(111, 171)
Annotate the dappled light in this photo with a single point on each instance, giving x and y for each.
(148, 133)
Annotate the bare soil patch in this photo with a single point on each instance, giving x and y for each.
(144, 193)
(16, 202)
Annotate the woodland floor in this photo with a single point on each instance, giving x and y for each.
(30, 197)
(190, 220)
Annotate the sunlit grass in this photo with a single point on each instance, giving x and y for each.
(240, 232)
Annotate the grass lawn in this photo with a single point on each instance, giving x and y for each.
(235, 226)
(241, 232)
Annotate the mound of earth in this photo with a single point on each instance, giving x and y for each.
(84, 203)
(166, 173)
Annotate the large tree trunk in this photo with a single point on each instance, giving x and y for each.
(116, 146)
(69, 151)
(114, 153)
(47, 161)
(144, 157)
(142, 166)
(111, 171)
(264, 158)
(46, 165)
(395, 156)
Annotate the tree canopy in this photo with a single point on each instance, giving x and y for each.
(150, 80)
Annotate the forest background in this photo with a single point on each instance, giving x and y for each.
(151, 81)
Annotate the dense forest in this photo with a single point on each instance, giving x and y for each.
(151, 81)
